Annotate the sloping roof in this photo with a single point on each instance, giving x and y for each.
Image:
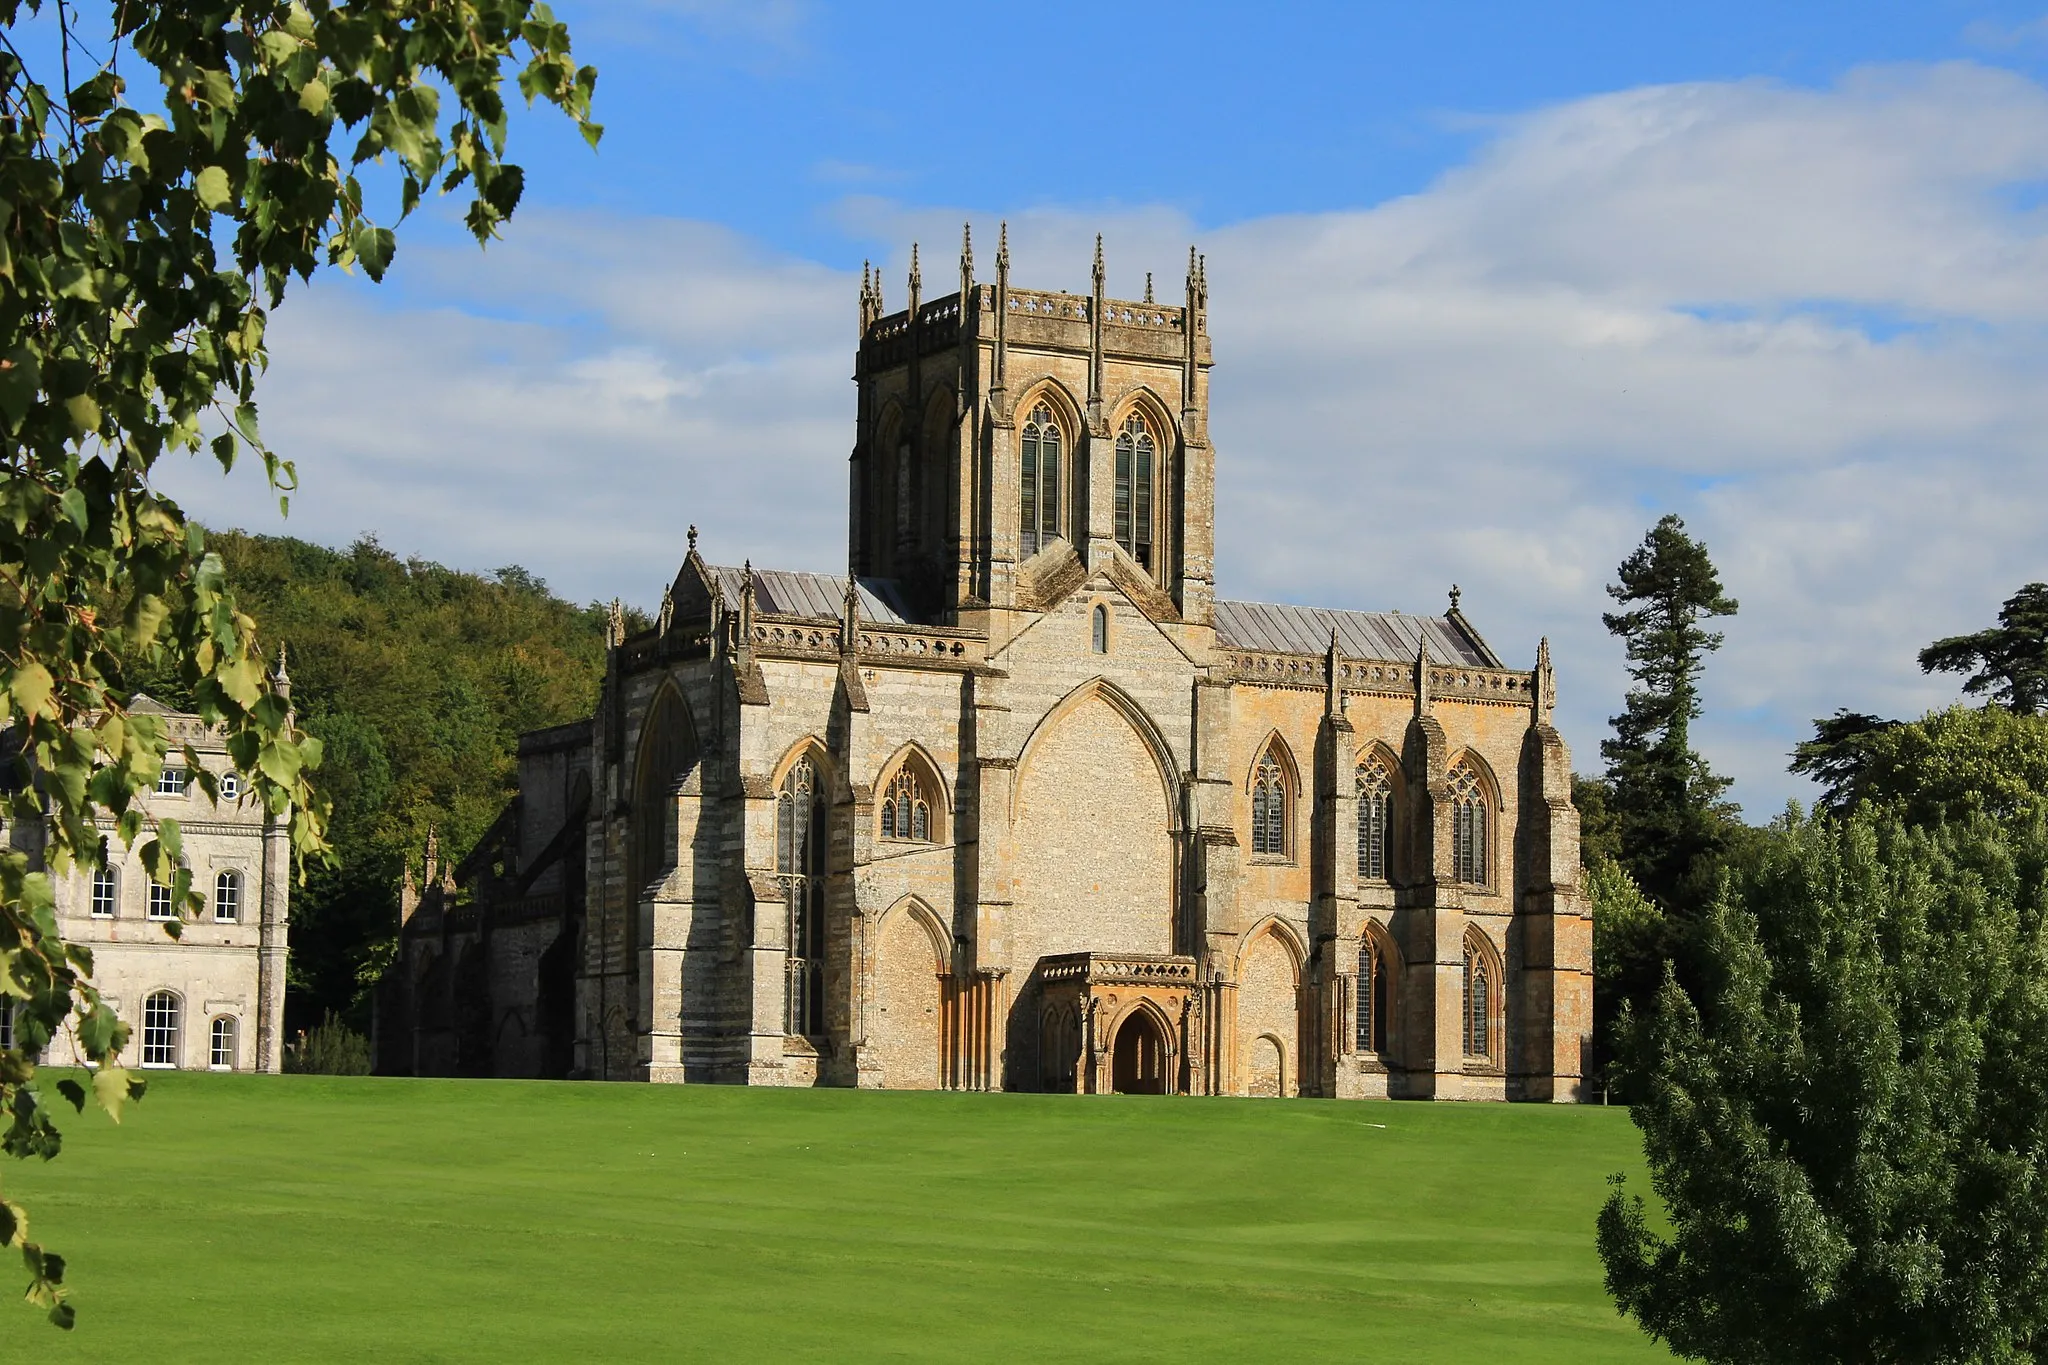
(817, 595)
(1360, 634)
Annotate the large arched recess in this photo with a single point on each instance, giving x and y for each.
(1269, 1010)
(905, 1014)
(668, 754)
(1092, 831)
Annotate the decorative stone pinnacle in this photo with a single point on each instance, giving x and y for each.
(967, 246)
(1098, 263)
(1148, 286)
(1454, 596)
(916, 277)
(693, 537)
(1003, 246)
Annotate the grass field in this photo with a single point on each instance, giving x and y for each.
(235, 1218)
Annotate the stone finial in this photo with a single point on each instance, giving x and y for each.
(1455, 595)
(1542, 685)
(1422, 677)
(668, 609)
(1003, 250)
(1148, 286)
(916, 275)
(967, 251)
(615, 624)
(1333, 695)
(408, 894)
(1098, 265)
(433, 855)
(693, 537)
(849, 616)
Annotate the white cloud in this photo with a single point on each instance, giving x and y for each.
(1810, 321)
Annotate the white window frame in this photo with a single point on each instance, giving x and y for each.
(163, 902)
(160, 1053)
(110, 879)
(172, 781)
(214, 1051)
(230, 786)
(228, 880)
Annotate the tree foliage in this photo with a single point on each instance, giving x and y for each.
(418, 680)
(1844, 1119)
(141, 244)
(1947, 765)
(2010, 659)
(1665, 801)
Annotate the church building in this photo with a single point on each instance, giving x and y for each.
(1019, 803)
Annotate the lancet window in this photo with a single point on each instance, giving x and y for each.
(1468, 825)
(1039, 448)
(1479, 986)
(1269, 807)
(906, 808)
(1136, 461)
(1375, 819)
(800, 839)
(1374, 996)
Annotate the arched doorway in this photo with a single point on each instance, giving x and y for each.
(1138, 1065)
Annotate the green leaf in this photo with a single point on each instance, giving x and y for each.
(211, 185)
(114, 1087)
(73, 503)
(30, 687)
(313, 97)
(84, 413)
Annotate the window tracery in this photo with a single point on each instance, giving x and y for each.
(906, 808)
(1468, 824)
(800, 832)
(1478, 1002)
(1374, 996)
(1039, 458)
(1135, 463)
(1375, 819)
(1269, 808)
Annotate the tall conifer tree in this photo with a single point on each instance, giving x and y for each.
(1666, 801)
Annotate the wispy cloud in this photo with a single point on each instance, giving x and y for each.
(1811, 321)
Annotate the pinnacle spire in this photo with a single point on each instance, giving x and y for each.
(967, 248)
(1003, 247)
(1098, 263)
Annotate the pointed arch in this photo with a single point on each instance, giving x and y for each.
(1144, 442)
(1279, 929)
(917, 911)
(667, 758)
(1123, 704)
(913, 954)
(1379, 988)
(1274, 787)
(1474, 798)
(1380, 793)
(803, 783)
(911, 799)
(1482, 997)
(1049, 427)
(1143, 1050)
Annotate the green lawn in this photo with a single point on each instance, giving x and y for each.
(237, 1218)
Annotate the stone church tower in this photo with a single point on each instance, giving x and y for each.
(1019, 803)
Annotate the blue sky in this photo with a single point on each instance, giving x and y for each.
(1494, 286)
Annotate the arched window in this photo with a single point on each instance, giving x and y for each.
(106, 893)
(230, 787)
(160, 1030)
(1374, 996)
(1269, 808)
(1039, 450)
(1468, 825)
(1479, 986)
(1375, 819)
(227, 897)
(907, 807)
(800, 833)
(1100, 618)
(1135, 462)
(220, 1048)
(668, 755)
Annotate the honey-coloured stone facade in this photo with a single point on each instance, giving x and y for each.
(1018, 802)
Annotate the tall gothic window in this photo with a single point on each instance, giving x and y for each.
(1468, 825)
(1135, 462)
(1375, 819)
(1478, 1001)
(1100, 629)
(1373, 996)
(800, 832)
(1269, 807)
(220, 1047)
(906, 808)
(1040, 476)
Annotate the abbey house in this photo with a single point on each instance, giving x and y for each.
(1020, 803)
